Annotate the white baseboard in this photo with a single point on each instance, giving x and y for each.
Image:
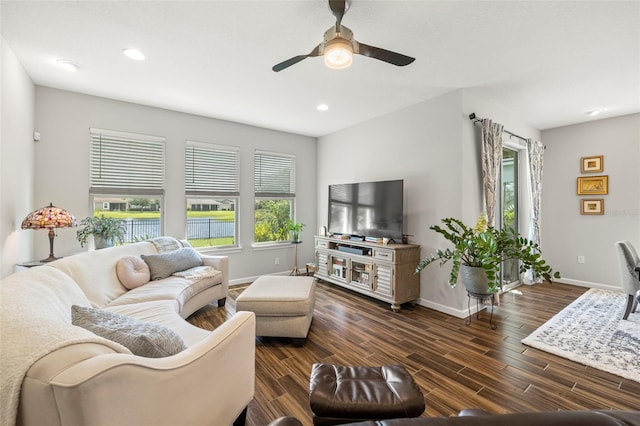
(589, 284)
(251, 279)
(458, 313)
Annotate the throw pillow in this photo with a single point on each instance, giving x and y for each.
(132, 272)
(140, 337)
(163, 265)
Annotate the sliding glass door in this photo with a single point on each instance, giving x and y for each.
(508, 217)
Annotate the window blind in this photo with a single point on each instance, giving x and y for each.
(274, 174)
(212, 170)
(126, 163)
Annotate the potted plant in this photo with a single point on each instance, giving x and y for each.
(478, 252)
(106, 231)
(295, 229)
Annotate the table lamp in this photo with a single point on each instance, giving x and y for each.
(49, 217)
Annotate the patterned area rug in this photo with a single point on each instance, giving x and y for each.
(591, 331)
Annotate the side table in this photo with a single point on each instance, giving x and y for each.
(31, 263)
(295, 271)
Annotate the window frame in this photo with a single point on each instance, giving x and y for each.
(202, 190)
(263, 191)
(146, 172)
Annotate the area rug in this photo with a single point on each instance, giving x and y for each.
(591, 331)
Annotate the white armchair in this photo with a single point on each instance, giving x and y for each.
(628, 259)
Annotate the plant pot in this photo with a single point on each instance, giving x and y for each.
(474, 279)
(102, 242)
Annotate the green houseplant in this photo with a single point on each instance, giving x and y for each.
(482, 249)
(106, 231)
(295, 229)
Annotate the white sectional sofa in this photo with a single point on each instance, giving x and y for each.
(57, 373)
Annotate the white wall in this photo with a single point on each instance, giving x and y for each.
(593, 237)
(62, 168)
(16, 160)
(435, 148)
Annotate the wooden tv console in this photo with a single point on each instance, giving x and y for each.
(384, 272)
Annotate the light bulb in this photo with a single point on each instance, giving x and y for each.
(338, 54)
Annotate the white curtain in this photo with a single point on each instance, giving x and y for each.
(491, 165)
(535, 152)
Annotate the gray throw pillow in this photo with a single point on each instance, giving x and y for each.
(140, 337)
(163, 265)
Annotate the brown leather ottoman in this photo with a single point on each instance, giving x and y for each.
(340, 394)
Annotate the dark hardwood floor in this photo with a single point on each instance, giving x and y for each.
(456, 366)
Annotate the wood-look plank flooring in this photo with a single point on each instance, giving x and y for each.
(456, 366)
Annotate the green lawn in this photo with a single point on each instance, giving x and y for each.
(222, 215)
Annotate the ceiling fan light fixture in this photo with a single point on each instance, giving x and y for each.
(338, 53)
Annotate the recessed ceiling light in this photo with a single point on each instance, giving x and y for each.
(67, 65)
(134, 54)
(593, 113)
(322, 107)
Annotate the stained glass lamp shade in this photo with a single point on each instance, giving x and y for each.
(49, 217)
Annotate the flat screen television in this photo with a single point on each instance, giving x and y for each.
(367, 209)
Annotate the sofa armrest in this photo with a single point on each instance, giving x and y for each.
(220, 263)
(210, 382)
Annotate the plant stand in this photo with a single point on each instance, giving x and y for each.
(295, 271)
(478, 297)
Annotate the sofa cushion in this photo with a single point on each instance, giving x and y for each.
(164, 264)
(172, 288)
(163, 312)
(141, 338)
(133, 272)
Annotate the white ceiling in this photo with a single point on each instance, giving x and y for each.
(550, 61)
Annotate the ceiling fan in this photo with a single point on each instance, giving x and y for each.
(339, 46)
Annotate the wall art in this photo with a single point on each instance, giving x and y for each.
(592, 164)
(593, 185)
(592, 206)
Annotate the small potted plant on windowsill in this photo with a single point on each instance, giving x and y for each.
(478, 253)
(295, 229)
(106, 231)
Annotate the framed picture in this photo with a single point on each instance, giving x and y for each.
(593, 185)
(592, 206)
(592, 164)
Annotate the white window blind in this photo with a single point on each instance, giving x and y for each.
(211, 170)
(126, 163)
(274, 175)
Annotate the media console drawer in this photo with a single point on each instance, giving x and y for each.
(383, 254)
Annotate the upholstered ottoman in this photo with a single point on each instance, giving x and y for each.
(283, 305)
(340, 394)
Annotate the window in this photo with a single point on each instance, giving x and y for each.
(274, 188)
(212, 182)
(127, 180)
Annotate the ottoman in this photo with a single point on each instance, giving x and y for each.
(283, 305)
(340, 394)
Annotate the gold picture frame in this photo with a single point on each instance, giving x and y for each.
(593, 164)
(593, 185)
(592, 206)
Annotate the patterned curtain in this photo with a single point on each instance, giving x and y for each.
(491, 164)
(535, 151)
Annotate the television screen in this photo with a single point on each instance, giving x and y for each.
(368, 209)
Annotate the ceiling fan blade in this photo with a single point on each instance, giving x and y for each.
(385, 55)
(292, 61)
(338, 7)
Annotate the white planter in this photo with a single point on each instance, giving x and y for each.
(474, 279)
(101, 242)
